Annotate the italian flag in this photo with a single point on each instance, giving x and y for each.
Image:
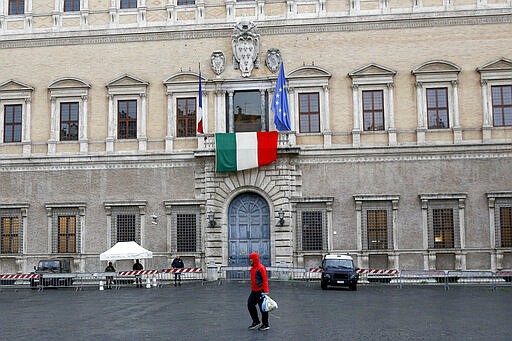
(239, 151)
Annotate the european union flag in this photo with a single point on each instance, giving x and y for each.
(280, 103)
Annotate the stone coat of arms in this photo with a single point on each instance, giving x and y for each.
(246, 47)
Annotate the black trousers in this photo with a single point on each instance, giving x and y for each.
(253, 300)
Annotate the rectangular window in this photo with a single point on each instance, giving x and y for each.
(10, 234)
(186, 227)
(506, 226)
(16, 7)
(437, 108)
(71, 5)
(377, 229)
(12, 123)
(309, 112)
(312, 231)
(66, 238)
(373, 110)
(186, 2)
(128, 4)
(502, 105)
(126, 227)
(127, 119)
(186, 117)
(442, 222)
(69, 121)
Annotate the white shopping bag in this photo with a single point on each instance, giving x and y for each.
(268, 304)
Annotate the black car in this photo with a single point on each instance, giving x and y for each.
(338, 270)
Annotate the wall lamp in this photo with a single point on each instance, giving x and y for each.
(211, 219)
(281, 217)
(154, 219)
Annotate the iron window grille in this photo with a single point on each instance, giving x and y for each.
(377, 229)
(66, 238)
(313, 229)
(66, 230)
(11, 232)
(506, 226)
(185, 229)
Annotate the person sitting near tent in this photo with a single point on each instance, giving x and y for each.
(177, 263)
(110, 279)
(137, 267)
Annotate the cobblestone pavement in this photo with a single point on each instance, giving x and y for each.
(218, 312)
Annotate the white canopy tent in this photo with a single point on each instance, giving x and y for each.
(126, 250)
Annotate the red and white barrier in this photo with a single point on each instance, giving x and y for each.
(183, 270)
(18, 276)
(137, 272)
(315, 270)
(385, 272)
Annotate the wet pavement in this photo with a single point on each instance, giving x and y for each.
(218, 312)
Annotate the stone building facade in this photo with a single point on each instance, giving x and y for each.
(399, 154)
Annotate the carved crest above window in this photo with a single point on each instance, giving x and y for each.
(246, 47)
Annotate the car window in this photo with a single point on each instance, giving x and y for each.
(338, 263)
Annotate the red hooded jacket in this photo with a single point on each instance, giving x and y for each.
(259, 279)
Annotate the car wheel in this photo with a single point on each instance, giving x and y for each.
(353, 287)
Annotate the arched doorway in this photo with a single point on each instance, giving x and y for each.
(248, 229)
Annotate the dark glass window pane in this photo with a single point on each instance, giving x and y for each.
(12, 123)
(128, 4)
(186, 117)
(309, 112)
(373, 112)
(247, 111)
(437, 108)
(69, 121)
(502, 105)
(71, 5)
(127, 119)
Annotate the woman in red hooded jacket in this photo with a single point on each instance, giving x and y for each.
(259, 286)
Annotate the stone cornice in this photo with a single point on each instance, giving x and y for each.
(267, 27)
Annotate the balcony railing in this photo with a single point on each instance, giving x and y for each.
(206, 142)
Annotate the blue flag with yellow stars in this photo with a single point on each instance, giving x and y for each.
(280, 103)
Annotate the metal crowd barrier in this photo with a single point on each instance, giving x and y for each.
(165, 277)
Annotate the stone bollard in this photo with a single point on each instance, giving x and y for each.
(101, 286)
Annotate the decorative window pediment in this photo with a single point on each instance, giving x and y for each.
(309, 72)
(12, 86)
(436, 67)
(184, 80)
(127, 81)
(500, 66)
(69, 83)
(371, 71)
